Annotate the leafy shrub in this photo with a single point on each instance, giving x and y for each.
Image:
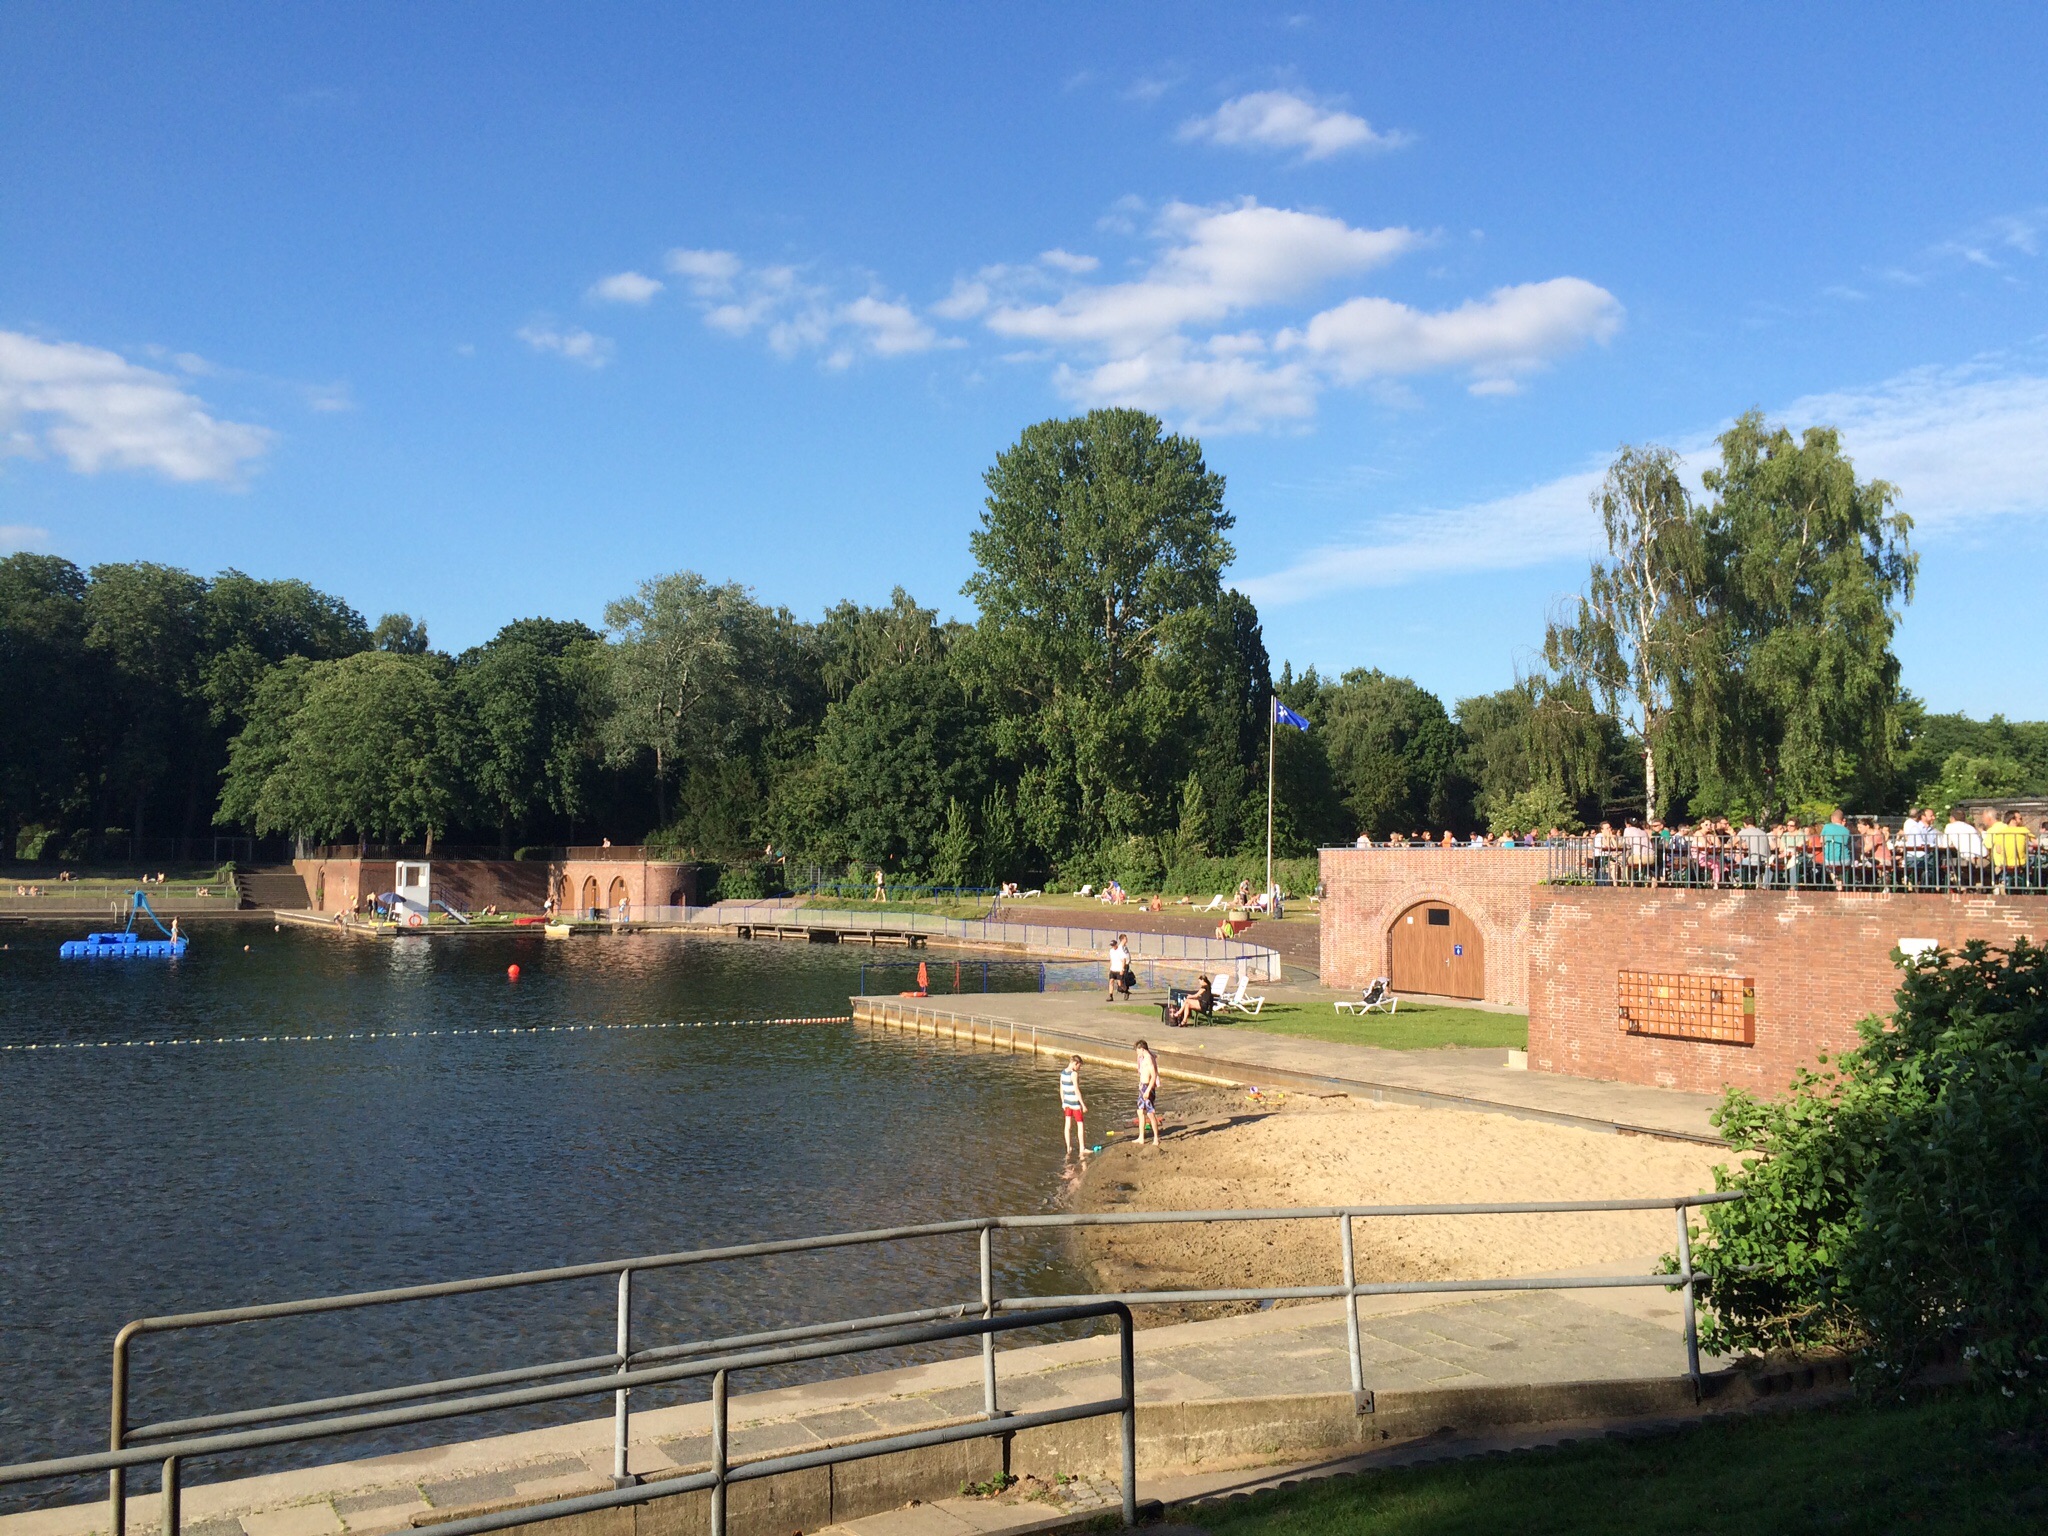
(1900, 1200)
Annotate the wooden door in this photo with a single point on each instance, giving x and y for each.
(590, 895)
(1436, 949)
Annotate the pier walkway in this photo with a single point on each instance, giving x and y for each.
(1060, 1023)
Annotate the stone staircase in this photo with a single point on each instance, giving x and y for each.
(274, 887)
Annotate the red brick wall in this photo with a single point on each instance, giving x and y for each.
(1821, 961)
(1365, 889)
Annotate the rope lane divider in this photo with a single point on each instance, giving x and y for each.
(407, 1034)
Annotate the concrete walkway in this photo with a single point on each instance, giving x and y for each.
(1452, 1078)
(1491, 1339)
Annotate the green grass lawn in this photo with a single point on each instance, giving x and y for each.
(1929, 1466)
(974, 908)
(1414, 1028)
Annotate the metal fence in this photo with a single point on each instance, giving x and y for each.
(1235, 955)
(951, 978)
(627, 1365)
(1766, 864)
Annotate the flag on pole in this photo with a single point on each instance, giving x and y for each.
(1282, 715)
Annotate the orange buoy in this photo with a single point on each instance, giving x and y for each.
(512, 971)
(924, 982)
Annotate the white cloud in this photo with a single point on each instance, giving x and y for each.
(1218, 262)
(99, 411)
(1067, 261)
(1288, 120)
(1961, 444)
(709, 273)
(1548, 522)
(625, 288)
(795, 313)
(1511, 331)
(1174, 339)
(15, 537)
(892, 329)
(573, 343)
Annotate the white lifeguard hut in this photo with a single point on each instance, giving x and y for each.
(415, 890)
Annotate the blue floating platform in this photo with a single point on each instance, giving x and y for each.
(121, 946)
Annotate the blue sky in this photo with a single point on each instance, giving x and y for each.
(480, 312)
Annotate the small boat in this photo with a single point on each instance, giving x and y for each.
(127, 944)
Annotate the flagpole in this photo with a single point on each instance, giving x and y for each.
(1270, 712)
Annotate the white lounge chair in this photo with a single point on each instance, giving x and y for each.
(1379, 997)
(1237, 999)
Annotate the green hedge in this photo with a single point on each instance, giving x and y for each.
(1899, 1200)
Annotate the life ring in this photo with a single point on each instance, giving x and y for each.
(415, 920)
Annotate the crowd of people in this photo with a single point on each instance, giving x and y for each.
(1992, 850)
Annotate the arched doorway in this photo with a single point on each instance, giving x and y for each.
(1435, 948)
(618, 894)
(590, 895)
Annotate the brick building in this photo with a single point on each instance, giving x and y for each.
(1381, 905)
(580, 880)
(1609, 970)
(1687, 988)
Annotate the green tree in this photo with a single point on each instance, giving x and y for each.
(1964, 777)
(1101, 549)
(147, 623)
(529, 701)
(251, 626)
(694, 669)
(1810, 569)
(401, 634)
(1642, 638)
(370, 744)
(1899, 1200)
(1393, 753)
(46, 682)
(892, 757)
(1540, 743)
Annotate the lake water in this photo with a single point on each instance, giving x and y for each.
(145, 1180)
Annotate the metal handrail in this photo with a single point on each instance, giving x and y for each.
(721, 1473)
(626, 1367)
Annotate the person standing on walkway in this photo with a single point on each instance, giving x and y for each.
(1148, 1093)
(1073, 1109)
(1119, 968)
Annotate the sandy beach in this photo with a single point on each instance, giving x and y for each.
(1224, 1148)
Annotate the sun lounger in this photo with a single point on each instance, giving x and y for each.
(1379, 998)
(1238, 1000)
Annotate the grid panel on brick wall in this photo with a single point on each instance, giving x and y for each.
(1681, 1006)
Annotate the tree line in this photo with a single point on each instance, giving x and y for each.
(1105, 714)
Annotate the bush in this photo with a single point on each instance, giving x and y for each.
(1900, 1199)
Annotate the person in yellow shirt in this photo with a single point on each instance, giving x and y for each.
(2007, 842)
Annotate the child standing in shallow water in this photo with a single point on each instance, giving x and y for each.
(1073, 1109)
(1148, 1093)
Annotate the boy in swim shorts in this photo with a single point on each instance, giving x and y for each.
(1148, 1093)
(1073, 1109)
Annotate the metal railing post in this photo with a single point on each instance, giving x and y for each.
(621, 1476)
(117, 1480)
(718, 1468)
(171, 1499)
(1351, 1307)
(1127, 1383)
(1692, 1321)
(988, 1310)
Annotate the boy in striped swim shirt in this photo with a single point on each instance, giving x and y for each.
(1073, 1109)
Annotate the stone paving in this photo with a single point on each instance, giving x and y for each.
(1406, 1342)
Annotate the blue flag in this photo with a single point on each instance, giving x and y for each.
(1282, 715)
